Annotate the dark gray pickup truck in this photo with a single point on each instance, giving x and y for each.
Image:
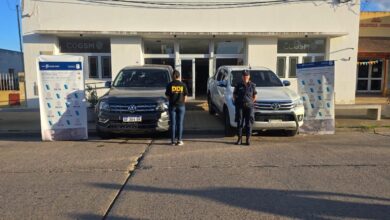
(136, 102)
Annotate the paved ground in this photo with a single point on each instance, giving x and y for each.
(51, 180)
(346, 175)
(197, 119)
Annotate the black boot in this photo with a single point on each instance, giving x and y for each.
(248, 140)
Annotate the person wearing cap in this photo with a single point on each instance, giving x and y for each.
(244, 96)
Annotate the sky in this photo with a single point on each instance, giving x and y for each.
(9, 38)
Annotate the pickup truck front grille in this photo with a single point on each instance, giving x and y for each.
(132, 108)
(274, 106)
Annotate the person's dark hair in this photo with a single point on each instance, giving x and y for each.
(176, 74)
(246, 72)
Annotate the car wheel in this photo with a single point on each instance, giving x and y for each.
(229, 130)
(291, 133)
(211, 107)
(103, 135)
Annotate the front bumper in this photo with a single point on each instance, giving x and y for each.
(276, 120)
(151, 122)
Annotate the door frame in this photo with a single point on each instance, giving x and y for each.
(193, 58)
(193, 74)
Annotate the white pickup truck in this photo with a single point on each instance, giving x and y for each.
(277, 107)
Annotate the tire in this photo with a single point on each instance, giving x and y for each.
(103, 135)
(291, 133)
(229, 130)
(211, 106)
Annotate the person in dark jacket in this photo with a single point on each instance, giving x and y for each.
(244, 96)
(176, 93)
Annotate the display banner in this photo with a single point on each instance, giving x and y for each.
(62, 100)
(316, 87)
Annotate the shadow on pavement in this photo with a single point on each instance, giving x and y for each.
(287, 203)
(93, 216)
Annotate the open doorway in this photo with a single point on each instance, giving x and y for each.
(195, 73)
(187, 75)
(202, 75)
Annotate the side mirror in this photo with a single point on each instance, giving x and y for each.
(107, 84)
(286, 83)
(222, 83)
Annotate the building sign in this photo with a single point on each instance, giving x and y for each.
(62, 100)
(304, 45)
(84, 45)
(316, 87)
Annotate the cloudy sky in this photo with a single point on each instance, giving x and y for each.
(375, 5)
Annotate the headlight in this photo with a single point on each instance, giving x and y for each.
(104, 106)
(162, 106)
(298, 103)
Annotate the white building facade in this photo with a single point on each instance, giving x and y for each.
(194, 37)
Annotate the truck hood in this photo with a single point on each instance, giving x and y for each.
(276, 94)
(139, 95)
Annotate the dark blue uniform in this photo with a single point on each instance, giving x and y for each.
(244, 94)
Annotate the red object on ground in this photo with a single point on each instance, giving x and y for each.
(14, 99)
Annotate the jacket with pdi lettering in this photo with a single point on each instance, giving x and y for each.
(176, 91)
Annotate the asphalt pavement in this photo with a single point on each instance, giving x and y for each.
(342, 176)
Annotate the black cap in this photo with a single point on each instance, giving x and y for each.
(246, 73)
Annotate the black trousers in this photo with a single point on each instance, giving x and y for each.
(244, 117)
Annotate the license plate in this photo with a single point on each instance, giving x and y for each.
(132, 119)
(275, 120)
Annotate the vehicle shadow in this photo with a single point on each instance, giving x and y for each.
(286, 203)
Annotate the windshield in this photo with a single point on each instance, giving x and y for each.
(142, 78)
(262, 78)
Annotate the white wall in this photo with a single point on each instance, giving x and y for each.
(344, 51)
(316, 18)
(35, 45)
(125, 51)
(73, 15)
(262, 51)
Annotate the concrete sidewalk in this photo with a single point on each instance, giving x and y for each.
(51, 180)
(197, 120)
